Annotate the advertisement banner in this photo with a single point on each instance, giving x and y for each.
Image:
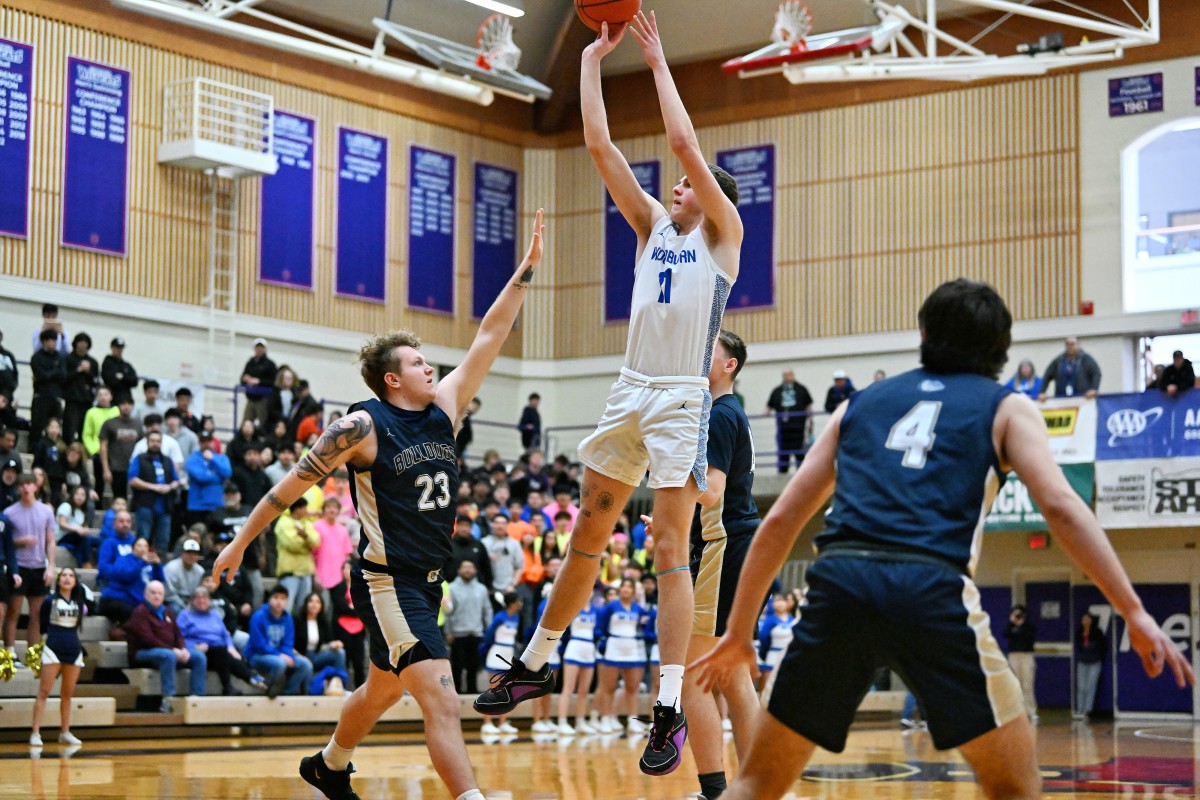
(1071, 425)
(362, 182)
(1148, 425)
(1148, 493)
(620, 244)
(286, 227)
(495, 255)
(431, 230)
(1014, 509)
(754, 169)
(16, 86)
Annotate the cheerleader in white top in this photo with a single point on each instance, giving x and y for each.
(620, 634)
(579, 662)
(499, 648)
(774, 636)
(61, 616)
(541, 705)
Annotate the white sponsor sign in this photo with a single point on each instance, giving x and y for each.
(1148, 493)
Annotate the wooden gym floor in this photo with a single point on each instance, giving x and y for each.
(1096, 761)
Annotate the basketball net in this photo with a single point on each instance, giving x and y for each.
(793, 24)
(495, 44)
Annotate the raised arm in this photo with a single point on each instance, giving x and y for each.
(719, 212)
(640, 210)
(454, 393)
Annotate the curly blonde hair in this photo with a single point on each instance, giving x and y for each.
(378, 357)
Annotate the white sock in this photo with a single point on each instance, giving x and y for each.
(471, 794)
(670, 684)
(336, 757)
(541, 646)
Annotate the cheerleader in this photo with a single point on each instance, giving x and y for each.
(500, 645)
(61, 615)
(774, 636)
(541, 705)
(620, 629)
(579, 662)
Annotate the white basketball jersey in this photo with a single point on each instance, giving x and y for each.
(679, 296)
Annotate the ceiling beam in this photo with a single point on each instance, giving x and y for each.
(562, 76)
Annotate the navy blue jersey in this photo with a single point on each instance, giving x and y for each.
(405, 501)
(731, 450)
(916, 467)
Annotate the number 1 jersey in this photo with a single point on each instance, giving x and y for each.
(405, 501)
(916, 467)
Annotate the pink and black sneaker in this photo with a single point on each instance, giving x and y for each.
(513, 687)
(664, 751)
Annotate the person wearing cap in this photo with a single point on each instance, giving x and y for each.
(49, 383)
(152, 484)
(842, 388)
(183, 576)
(258, 378)
(117, 373)
(10, 491)
(207, 472)
(83, 376)
(9, 378)
(52, 324)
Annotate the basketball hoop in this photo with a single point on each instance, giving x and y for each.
(793, 24)
(495, 44)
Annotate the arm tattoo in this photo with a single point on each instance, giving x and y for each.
(335, 441)
(526, 277)
(275, 502)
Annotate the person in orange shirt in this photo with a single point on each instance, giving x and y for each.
(530, 585)
(517, 528)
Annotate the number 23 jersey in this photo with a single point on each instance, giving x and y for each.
(916, 466)
(405, 501)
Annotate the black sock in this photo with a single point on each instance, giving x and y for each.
(712, 784)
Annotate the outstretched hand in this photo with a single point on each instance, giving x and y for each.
(720, 664)
(645, 30)
(228, 560)
(606, 42)
(1157, 650)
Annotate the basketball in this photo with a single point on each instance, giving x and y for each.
(614, 12)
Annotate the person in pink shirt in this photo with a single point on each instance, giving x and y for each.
(562, 502)
(339, 486)
(335, 546)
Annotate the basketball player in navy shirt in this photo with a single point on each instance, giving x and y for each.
(399, 449)
(913, 464)
(656, 416)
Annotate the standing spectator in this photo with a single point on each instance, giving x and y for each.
(9, 377)
(118, 374)
(295, 540)
(49, 382)
(183, 404)
(10, 570)
(468, 616)
(183, 576)
(150, 403)
(229, 520)
(153, 423)
(347, 626)
(1155, 382)
(1073, 372)
(204, 631)
(1025, 381)
(465, 547)
(465, 433)
(153, 481)
(1090, 650)
(93, 420)
(246, 437)
(283, 395)
(842, 388)
(335, 546)
(115, 546)
(306, 415)
(271, 648)
(258, 379)
(51, 324)
(118, 436)
(508, 562)
(187, 441)
(83, 377)
(1021, 635)
(128, 578)
(10, 488)
(61, 616)
(155, 640)
(791, 404)
(33, 533)
(535, 478)
(207, 473)
(249, 476)
(531, 423)
(50, 456)
(1178, 376)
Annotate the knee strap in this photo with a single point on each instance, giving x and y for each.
(577, 551)
(673, 569)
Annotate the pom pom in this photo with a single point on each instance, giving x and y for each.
(33, 658)
(6, 665)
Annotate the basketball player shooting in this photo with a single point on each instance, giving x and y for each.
(913, 464)
(657, 411)
(399, 449)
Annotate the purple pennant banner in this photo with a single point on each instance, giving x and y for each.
(16, 86)
(96, 157)
(495, 236)
(361, 261)
(754, 169)
(620, 245)
(286, 225)
(431, 187)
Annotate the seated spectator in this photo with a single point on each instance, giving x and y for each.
(1178, 376)
(77, 474)
(535, 506)
(155, 641)
(128, 578)
(295, 540)
(271, 648)
(10, 491)
(10, 420)
(314, 637)
(842, 388)
(246, 437)
(285, 459)
(183, 576)
(204, 631)
(118, 544)
(348, 627)
(534, 479)
(1025, 381)
(465, 547)
(880, 375)
(207, 473)
(516, 527)
(562, 502)
(106, 524)
(249, 476)
(73, 531)
(1073, 373)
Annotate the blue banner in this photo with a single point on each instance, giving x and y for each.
(1140, 94)
(754, 169)
(1148, 425)
(431, 230)
(285, 231)
(495, 256)
(16, 85)
(362, 215)
(620, 245)
(96, 155)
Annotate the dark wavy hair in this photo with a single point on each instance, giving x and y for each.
(967, 328)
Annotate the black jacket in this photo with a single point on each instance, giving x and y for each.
(9, 378)
(1182, 378)
(81, 386)
(324, 636)
(49, 373)
(469, 549)
(264, 369)
(119, 376)
(1021, 637)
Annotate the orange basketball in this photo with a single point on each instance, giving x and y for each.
(614, 12)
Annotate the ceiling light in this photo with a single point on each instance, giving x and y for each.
(512, 8)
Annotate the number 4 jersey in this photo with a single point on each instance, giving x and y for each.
(405, 501)
(916, 467)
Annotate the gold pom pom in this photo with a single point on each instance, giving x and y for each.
(33, 658)
(6, 665)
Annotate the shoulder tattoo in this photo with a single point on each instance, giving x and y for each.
(334, 442)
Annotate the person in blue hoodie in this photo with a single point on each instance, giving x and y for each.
(119, 544)
(271, 649)
(127, 580)
(207, 472)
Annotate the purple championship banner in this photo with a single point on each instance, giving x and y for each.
(361, 259)
(285, 231)
(431, 230)
(754, 169)
(1140, 94)
(96, 158)
(495, 255)
(16, 85)
(620, 245)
